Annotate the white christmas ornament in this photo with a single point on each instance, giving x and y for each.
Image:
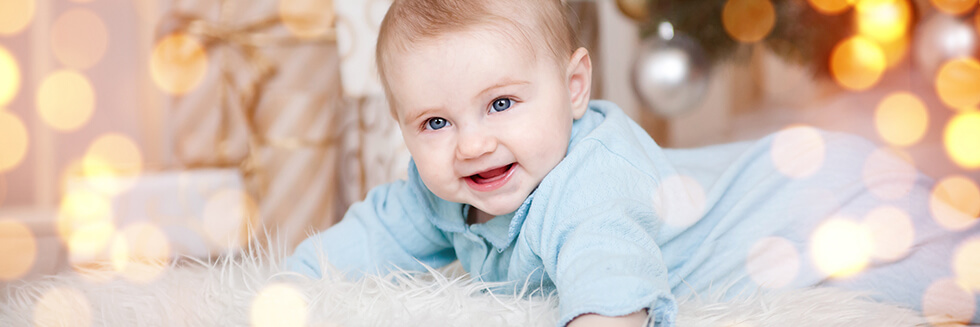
(670, 73)
(940, 38)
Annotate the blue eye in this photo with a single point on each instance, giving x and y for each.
(436, 123)
(502, 104)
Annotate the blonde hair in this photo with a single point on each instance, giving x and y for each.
(409, 22)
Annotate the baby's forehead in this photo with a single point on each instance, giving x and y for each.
(521, 45)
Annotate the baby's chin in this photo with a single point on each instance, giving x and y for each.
(498, 210)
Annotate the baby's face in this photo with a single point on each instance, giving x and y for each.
(483, 120)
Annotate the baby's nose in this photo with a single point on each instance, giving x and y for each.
(474, 143)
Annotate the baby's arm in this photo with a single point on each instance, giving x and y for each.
(386, 230)
(598, 242)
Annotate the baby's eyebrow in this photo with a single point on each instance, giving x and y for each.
(500, 85)
(420, 113)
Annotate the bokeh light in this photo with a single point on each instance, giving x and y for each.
(13, 141)
(954, 7)
(798, 151)
(947, 300)
(958, 83)
(307, 18)
(748, 20)
(18, 249)
(63, 307)
(892, 233)
(279, 305)
(228, 215)
(831, 7)
(9, 76)
(79, 38)
(966, 264)
(895, 50)
(857, 63)
(178, 63)
(679, 200)
(955, 202)
(962, 139)
(841, 247)
(901, 119)
(15, 15)
(90, 241)
(888, 173)
(140, 252)
(773, 262)
(883, 20)
(81, 208)
(110, 157)
(65, 100)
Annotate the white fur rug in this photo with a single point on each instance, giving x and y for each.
(255, 292)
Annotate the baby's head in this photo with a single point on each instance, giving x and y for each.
(485, 92)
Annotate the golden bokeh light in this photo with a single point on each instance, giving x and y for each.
(892, 233)
(748, 20)
(966, 264)
(798, 151)
(954, 7)
(840, 247)
(958, 83)
(227, 217)
(63, 307)
(15, 15)
(883, 20)
(65, 100)
(90, 241)
(279, 305)
(955, 202)
(9, 76)
(773, 262)
(79, 38)
(889, 173)
(80, 208)
(857, 63)
(13, 141)
(307, 18)
(962, 139)
(111, 162)
(901, 119)
(895, 50)
(18, 249)
(141, 252)
(947, 301)
(178, 63)
(679, 200)
(831, 7)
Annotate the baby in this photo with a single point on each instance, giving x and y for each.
(522, 178)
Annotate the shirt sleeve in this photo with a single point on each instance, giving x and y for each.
(599, 246)
(387, 230)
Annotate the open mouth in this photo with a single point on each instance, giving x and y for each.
(491, 179)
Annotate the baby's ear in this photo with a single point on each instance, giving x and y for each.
(580, 82)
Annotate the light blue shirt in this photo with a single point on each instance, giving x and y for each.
(597, 228)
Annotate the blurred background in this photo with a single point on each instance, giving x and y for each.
(164, 127)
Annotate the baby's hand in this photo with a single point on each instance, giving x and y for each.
(635, 319)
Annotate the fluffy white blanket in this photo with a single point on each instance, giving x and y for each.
(253, 291)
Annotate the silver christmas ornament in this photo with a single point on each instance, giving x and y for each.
(670, 72)
(941, 37)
